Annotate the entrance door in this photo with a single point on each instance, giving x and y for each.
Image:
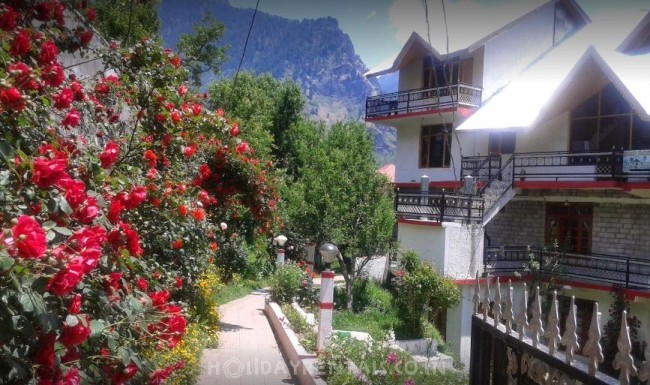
(571, 225)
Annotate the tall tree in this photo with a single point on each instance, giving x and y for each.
(340, 197)
(128, 21)
(200, 50)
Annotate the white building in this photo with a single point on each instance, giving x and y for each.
(550, 117)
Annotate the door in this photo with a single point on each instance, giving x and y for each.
(571, 225)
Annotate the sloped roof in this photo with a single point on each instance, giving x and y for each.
(568, 74)
(388, 170)
(640, 32)
(471, 41)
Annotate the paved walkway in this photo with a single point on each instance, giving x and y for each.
(248, 353)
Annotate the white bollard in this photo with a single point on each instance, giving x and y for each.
(326, 308)
(279, 257)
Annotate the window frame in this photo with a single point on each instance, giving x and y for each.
(446, 148)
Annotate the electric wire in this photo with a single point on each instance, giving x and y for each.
(243, 54)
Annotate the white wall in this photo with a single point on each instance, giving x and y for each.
(427, 241)
(463, 250)
(512, 51)
(410, 76)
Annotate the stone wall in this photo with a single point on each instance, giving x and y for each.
(621, 229)
(519, 223)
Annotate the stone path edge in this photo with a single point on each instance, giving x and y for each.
(301, 363)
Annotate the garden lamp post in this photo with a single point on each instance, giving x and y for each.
(328, 252)
(279, 256)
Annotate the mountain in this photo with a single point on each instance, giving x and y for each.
(315, 53)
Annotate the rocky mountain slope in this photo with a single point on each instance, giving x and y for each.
(315, 53)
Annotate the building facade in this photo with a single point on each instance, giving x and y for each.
(538, 134)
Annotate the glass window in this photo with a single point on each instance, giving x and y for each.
(612, 102)
(502, 143)
(434, 147)
(640, 134)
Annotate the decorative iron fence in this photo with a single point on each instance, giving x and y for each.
(406, 102)
(631, 273)
(507, 347)
(481, 168)
(440, 207)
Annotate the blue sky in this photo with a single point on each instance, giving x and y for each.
(379, 28)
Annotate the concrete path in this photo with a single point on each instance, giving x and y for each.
(248, 353)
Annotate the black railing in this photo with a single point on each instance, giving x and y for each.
(419, 100)
(439, 207)
(481, 168)
(564, 165)
(632, 273)
(497, 356)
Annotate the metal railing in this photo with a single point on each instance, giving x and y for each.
(631, 273)
(419, 100)
(439, 207)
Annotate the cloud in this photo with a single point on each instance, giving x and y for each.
(467, 20)
(372, 15)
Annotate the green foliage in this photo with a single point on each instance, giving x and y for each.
(128, 21)
(409, 261)
(199, 50)
(301, 327)
(369, 295)
(612, 329)
(285, 283)
(232, 259)
(379, 364)
(236, 288)
(373, 321)
(420, 292)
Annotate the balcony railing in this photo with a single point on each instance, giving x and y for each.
(557, 166)
(439, 207)
(633, 273)
(429, 99)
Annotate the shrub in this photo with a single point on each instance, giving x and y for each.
(285, 283)
(421, 291)
(232, 259)
(367, 294)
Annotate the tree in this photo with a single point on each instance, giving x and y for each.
(271, 111)
(128, 21)
(340, 197)
(199, 50)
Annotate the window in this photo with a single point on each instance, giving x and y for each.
(434, 74)
(605, 122)
(435, 151)
(502, 143)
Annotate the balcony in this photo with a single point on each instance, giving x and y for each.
(631, 273)
(422, 100)
(439, 207)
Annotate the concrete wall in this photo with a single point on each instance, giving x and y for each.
(520, 223)
(427, 241)
(463, 250)
(410, 76)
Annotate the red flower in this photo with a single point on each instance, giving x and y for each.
(12, 99)
(75, 304)
(142, 284)
(196, 109)
(234, 129)
(52, 75)
(75, 334)
(114, 211)
(176, 116)
(71, 377)
(90, 15)
(151, 158)
(214, 246)
(66, 279)
(21, 44)
(182, 210)
(45, 353)
(198, 214)
(182, 90)
(159, 298)
(137, 195)
(188, 151)
(175, 61)
(49, 172)
(29, 237)
(242, 147)
(179, 282)
(64, 99)
(43, 11)
(8, 19)
(87, 211)
(85, 37)
(177, 244)
(125, 238)
(110, 154)
(72, 119)
(48, 53)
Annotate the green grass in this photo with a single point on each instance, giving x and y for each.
(300, 327)
(371, 321)
(237, 289)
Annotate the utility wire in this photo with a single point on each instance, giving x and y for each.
(241, 60)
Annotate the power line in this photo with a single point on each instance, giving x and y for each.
(234, 85)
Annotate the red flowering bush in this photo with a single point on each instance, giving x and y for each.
(112, 192)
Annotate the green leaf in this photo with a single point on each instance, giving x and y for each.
(26, 302)
(65, 206)
(6, 263)
(63, 231)
(6, 150)
(48, 225)
(97, 327)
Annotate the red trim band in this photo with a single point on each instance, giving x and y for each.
(465, 112)
(418, 223)
(327, 274)
(326, 306)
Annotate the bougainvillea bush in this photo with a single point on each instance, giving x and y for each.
(117, 191)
